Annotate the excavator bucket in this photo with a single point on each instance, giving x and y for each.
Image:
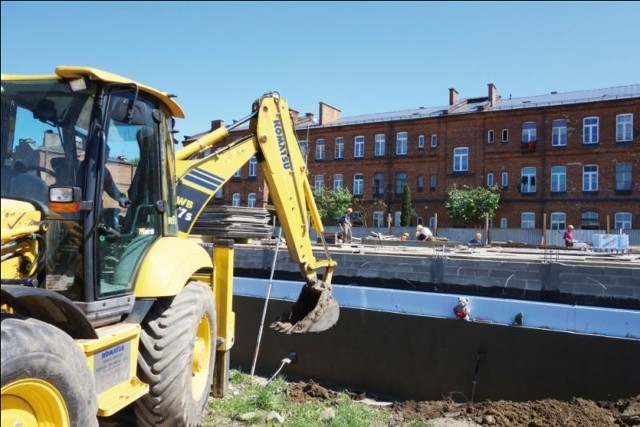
(315, 311)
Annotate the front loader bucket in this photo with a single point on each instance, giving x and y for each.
(315, 311)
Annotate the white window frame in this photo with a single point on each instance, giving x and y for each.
(379, 145)
(401, 143)
(528, 179)
(527, 220)
(251, 200)
(338, 182)
(378, 219)
(420, 182)
(358, 147)
(434, 140)
(490, 136)
(504, 223)
(320, 149)
(622, 220)
(559, 133)
(358, 184)
(529, 132)
(558, 220)
(318, 182)
(505, 135)
(421, 141)
(590, 178)
(461, 159)
(558, 179)
(490, 179)
(504, 179)
(624, 176)
(590, 130)
(238, 173)
(338, 151)
(624, 127)
(235, 200)
(253, 167)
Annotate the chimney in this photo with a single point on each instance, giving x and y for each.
(216, 124)
(328, 113)
(493, 95)
(453, 96)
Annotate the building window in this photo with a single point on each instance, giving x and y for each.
(378, 219)
(434, 140)
(320, 153)
(220, 193)
(558, 220)
(504, 179)
(338, 183)
(253, 167)
(590, 178)
(590, 130)
(490, 137)
(559, 133)
(528, 180)
(379, 145)
(303, 148)
(238, 174)
(401, 179)
(590, 221)
(433, 180)
(623, 177)
(251, 200)
(358, 147)
(528, 132)
(461, 159)
(378, 184)
(318, 183)
(558, 179)
(339, 148)
(235, 200)
(528, 220)
(420, 182)
(401, 143)
(622, 220)
(490, 179)
(505, 135)
(358, 184)
(624, 127)
(421, 141)
(504, 223)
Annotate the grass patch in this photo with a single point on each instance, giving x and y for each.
(249, 403)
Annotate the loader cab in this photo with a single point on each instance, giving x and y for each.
(65, 145)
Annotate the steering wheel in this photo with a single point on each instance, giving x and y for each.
(38, 169)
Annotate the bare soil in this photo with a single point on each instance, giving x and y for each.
(543, 413)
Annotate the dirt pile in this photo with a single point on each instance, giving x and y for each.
(543, 413)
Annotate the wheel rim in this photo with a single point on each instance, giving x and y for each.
(202, 349)
(31, 403)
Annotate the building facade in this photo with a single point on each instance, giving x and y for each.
(559, 159)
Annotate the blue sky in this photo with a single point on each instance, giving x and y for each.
(360, 57)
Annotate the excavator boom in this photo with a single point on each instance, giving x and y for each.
(206, 164)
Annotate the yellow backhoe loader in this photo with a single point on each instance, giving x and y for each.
(108, 301)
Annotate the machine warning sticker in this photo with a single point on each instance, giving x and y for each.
(190, 203)
(111, 366)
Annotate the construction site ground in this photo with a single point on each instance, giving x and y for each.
(448, 413)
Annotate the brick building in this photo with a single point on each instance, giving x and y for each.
(559, 158)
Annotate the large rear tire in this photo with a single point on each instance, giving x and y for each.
(45, 377)
(177, 358)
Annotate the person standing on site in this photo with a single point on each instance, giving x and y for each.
(345, 221)
(568, 236)
(423, 233)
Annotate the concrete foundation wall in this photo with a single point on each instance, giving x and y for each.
(414, 357)
(506, 276)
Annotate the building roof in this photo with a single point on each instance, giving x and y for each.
(475, 105)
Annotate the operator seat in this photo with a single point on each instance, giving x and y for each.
(143, 183)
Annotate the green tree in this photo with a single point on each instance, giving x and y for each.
(471, 204)
(405, 213)
(332, 204)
